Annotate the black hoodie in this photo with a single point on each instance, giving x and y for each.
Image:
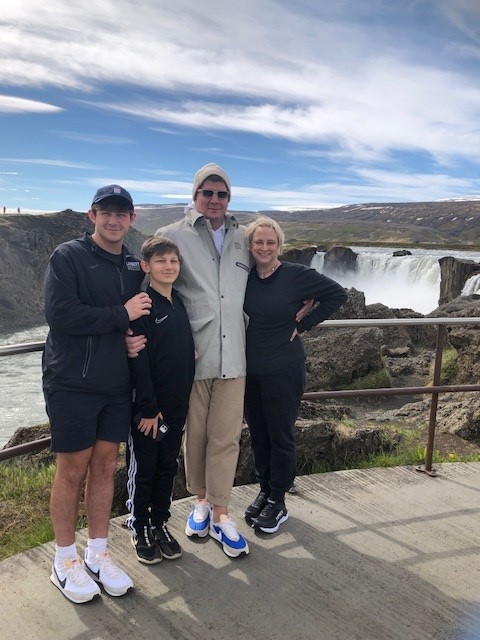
(85, 290)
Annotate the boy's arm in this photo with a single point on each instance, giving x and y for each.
(142, 377)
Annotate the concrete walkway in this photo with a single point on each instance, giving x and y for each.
(365, 555)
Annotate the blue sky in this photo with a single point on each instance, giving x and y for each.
(305, 104)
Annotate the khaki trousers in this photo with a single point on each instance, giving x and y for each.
(212, 437)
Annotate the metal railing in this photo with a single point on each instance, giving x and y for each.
(435, 389)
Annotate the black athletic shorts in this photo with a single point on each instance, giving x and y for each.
(78, 420)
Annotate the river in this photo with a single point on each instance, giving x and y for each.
(411, 282)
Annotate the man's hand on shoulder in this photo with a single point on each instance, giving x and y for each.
(138, 306)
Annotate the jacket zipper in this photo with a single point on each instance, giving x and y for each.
(122, 286)
(88, 355)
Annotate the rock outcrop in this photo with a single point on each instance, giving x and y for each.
(340, 259)
(453, 275)
(303, 255)
(458, 413)
(26, 243)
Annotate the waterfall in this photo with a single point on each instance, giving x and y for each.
(472, 285)
(411, 282)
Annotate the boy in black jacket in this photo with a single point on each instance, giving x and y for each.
(163, 376)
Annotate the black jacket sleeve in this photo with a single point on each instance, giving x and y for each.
(142, 373)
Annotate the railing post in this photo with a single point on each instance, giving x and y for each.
(432, 423)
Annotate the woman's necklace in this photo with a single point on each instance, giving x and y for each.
(265, 274)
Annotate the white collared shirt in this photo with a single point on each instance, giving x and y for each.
(218, 238)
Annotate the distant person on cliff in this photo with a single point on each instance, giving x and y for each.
(91, 287)
(162, 376)
(276, 363)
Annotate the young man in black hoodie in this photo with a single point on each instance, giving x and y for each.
(91, 295)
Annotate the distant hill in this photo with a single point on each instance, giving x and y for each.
(151, 217)
(444, 223)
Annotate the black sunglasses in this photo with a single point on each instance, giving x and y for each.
(208, 193)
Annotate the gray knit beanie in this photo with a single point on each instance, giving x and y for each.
(210, 169)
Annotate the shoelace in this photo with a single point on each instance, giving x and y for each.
(105, 564)
(229, 528)
(75, 572)
(201, 511)
(269, 509)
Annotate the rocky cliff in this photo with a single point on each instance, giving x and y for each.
(26, 242)
(454, 274)
(303, 255)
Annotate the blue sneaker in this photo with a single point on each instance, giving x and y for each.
(198, 520)
(226, 533)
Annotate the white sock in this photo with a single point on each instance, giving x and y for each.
(95, 546)
(64, 553)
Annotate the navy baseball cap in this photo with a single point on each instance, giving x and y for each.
(112, 190)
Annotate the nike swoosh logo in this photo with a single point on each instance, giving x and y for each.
(93, 266)
(95, 573)
(159, 320)
(63, 582)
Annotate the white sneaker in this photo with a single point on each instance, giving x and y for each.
(113, 579)
(199, 520)
(76, 585)
(233, 543)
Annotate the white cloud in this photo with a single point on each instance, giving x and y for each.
(94, 138)
(11, 104)
(347, 83)
(49, 162)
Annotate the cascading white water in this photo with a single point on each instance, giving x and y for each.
(411, 282)
(471, 286)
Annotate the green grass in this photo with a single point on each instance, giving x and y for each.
(415, 456)
(449, 367)
(24, 508)
(402, 447)
(374, 380)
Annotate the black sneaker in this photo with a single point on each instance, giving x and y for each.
(253, 510)
(167, 544)
(273, 514)
(145, 548)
